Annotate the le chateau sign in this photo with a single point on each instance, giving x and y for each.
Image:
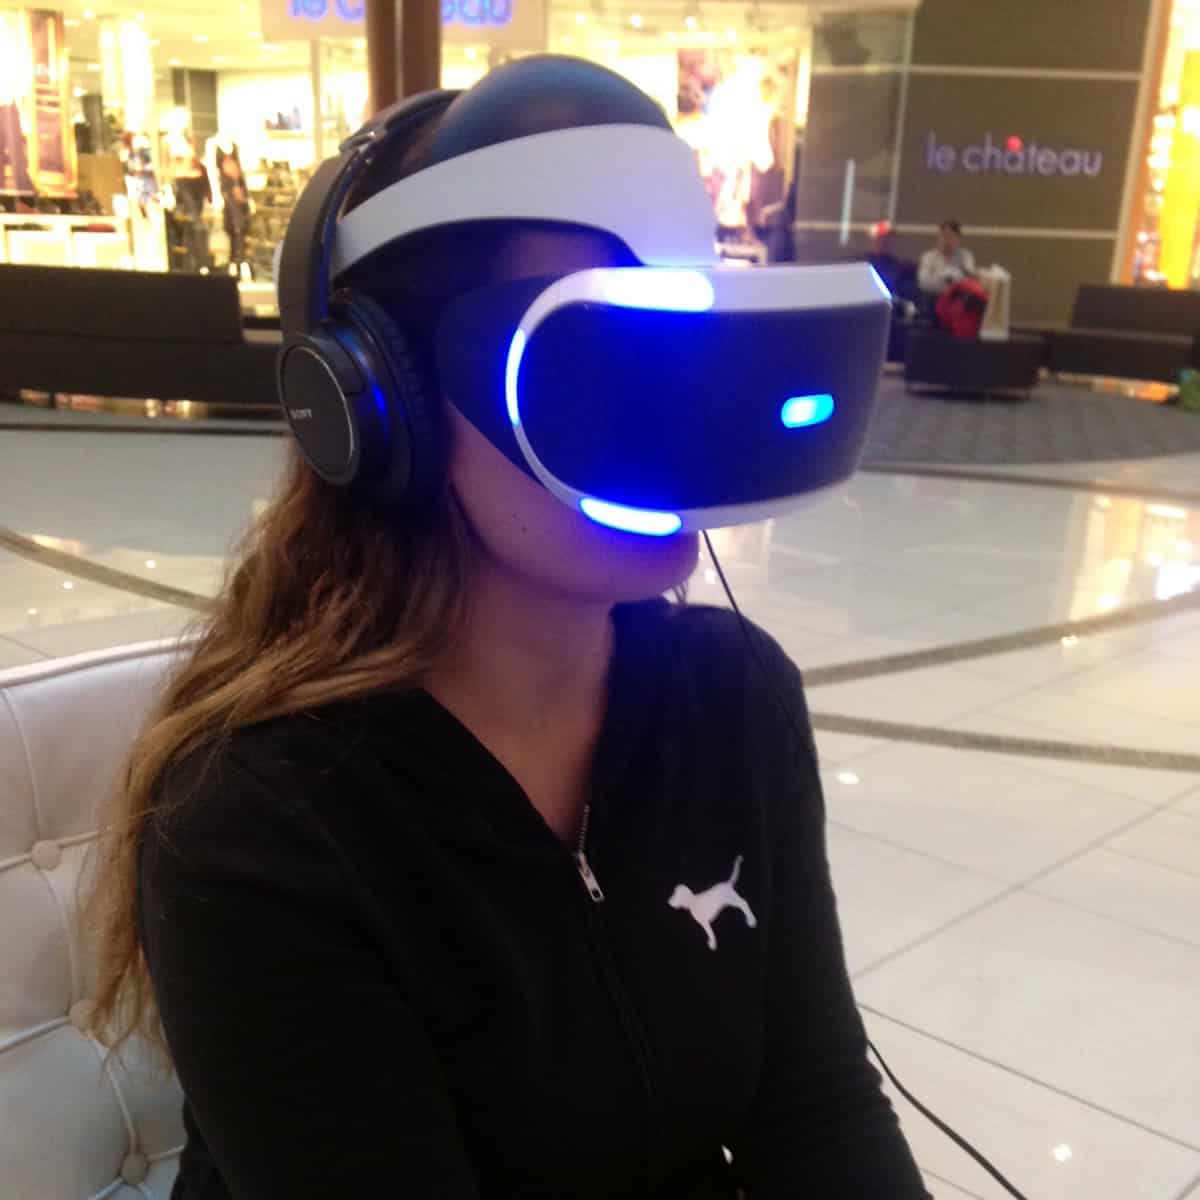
(1011, 155)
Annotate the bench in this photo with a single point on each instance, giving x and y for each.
(1128, 333)
(980, 366)
(131, 333)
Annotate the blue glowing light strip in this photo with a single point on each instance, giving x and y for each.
(806, 410)
(512, 368)
(633, 520)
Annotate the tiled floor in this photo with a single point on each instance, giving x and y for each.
(1024, 931)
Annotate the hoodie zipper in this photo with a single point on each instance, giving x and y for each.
(617, 993)
(581, 861)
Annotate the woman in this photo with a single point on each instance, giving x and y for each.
(458, 863)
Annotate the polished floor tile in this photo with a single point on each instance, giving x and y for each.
(1051, 1145)
(1095, 1008)
(988, 813)
(1133, 890)
(890, 897)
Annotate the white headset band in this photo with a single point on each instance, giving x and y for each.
(636, 182)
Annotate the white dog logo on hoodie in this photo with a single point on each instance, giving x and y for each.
(705, 907)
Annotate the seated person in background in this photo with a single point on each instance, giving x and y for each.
(899, 274)
(947, 263)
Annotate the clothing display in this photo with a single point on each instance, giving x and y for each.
(235, 203)
(380, 971)
(14, 155)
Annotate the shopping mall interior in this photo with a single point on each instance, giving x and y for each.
(997, 617)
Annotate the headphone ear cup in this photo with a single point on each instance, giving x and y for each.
(410, 463)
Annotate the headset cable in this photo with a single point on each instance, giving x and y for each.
(960, 1141)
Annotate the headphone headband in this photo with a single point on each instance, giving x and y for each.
(304, 284)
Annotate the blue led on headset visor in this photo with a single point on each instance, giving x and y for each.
(648, 521)
(806, 410)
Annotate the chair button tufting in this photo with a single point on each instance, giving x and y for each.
(46, 855)
(81, 1014)
(134, 1168)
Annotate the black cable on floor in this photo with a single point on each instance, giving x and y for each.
(937, 1121)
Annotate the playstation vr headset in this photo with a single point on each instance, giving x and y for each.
(676, 394)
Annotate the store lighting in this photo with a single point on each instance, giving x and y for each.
(218, 59)
(174, 62)
(93, 66)
(1062, 1153)
(691, 23)
(636, 20)
(472, 53)
(78, 91)
(1070, 640)
(88, 15)
(150, 564)
(156, 41)
(68, 586)
(71, 23)
(849, 778)
(33, 612)
(1169, 511)
(256, 36)
(731, 34)
(141, 17)
(580, 18)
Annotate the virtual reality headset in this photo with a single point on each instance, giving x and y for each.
(677, 395)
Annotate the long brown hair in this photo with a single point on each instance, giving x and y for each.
(330, 599)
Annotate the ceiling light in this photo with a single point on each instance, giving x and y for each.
(256, 36)
(68, 586)
(156, 41)
(1107, 602)
(691, 23)
(141, 16)
(174, 62)
(200, 37)
(472, 53)
(849, 778)
(88, 15)
(31, 612)
(731, 34)
(93, 66)
(636, 21)
(71, 23)
(151, 564)
(1062, 1152)
(580, 18)
(78, 91)
(1169, 511)
(1071, 640)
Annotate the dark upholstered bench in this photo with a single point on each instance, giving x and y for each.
(131, 333)
(936, 359)
(1128, 333)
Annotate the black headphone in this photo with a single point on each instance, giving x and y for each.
(351, 388)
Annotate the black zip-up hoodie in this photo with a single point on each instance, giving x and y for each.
(382, 975)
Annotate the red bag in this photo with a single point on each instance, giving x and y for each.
(960, 308)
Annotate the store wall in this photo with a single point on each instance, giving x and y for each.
(1015, 117)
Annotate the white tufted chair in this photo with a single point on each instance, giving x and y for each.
(70, 1127)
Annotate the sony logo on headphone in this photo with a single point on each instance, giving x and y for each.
(300, 414)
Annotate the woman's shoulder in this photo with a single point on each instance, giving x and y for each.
(712, 641)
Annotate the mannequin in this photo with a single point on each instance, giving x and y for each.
(192, 192)
(235, 203)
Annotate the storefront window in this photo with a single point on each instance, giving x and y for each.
(1167, 244)
(179, 137)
